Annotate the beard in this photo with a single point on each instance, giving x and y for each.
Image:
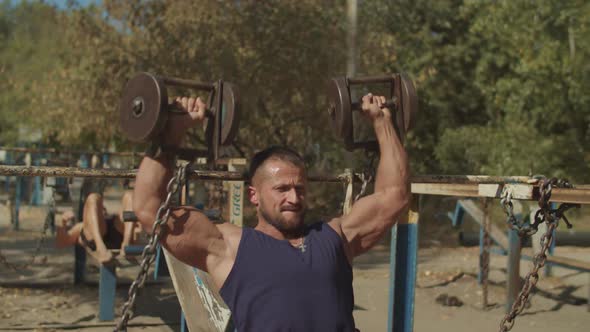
(290, 229)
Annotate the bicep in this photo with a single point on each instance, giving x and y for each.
(370, 218)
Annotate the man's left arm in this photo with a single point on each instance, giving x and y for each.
(374, 215)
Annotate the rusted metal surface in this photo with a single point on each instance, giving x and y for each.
(144, 109)
(76, 172)
(66, 172)
(402, 99)
(446, 189)
(69, 151)
(142, 113)
(446, 185)
(472, 179)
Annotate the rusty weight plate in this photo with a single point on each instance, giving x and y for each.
(339, 108)
(230, 115)
(141, 109)
(409, 102)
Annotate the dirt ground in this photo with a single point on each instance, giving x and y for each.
(42, 298)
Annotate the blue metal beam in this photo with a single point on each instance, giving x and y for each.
(403, 268)
(106, 292)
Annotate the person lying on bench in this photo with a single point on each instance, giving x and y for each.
(98, 231)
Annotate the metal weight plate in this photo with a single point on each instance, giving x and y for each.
(339, 109)
(409, 102)
(142, 108)
(230, 115)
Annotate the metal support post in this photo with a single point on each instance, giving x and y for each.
(403, 267)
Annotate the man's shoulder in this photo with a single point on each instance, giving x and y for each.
(333, 226)
(232, 234)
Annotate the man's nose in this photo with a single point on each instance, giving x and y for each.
(292, 196)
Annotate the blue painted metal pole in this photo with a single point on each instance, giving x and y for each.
(513, 271)
(8, 162)
(458, 216)
(481, 250)
(17, 199)
(183, 327)
(79, 251)
(36, 197)
(107, 287)
(402, 286)
(392, 264)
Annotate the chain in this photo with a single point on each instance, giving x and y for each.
(485, 254)
(551, 218)
(368, 174)
(147, 257)
(49, 219)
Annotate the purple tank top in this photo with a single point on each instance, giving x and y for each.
(274, 286)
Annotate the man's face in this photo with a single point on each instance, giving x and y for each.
(278, 190)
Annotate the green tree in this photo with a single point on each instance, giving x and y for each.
(29, 37)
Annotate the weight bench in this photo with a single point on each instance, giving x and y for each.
(107, 284)
(504, 242)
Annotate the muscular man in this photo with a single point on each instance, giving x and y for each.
(282, 275)
(98, 231)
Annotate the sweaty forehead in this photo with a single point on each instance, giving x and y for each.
(276, 170)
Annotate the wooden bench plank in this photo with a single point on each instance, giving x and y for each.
(203, 307)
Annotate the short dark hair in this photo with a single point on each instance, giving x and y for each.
(274, 152)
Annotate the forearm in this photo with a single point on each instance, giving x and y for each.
(392, 171)
(150, 188)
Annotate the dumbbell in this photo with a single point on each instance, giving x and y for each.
(403, 103)
(144, 109)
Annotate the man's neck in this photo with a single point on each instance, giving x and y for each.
(272, 231)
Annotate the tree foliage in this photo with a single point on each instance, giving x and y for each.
(502, 84)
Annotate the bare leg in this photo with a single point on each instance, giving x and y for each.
(65, 237)
(126, 228)
(95, 227)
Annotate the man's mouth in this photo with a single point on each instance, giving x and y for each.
(291, 209)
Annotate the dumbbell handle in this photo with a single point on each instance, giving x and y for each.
(357, 106)
(188, 83)
(370, 80)
(174, 108)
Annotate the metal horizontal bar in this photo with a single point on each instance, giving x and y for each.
(188, 83)
(67, 151)
(76, 172)
(466, 186)
(523, 192)
(472, 179)
(370, 79)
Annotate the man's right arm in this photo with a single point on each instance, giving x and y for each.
(190, 236)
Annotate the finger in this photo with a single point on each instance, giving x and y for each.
(366, 102)
(184, 102)
(178, 101)
(190, 105)
(383, 100)
(377, 100)
(200, 104)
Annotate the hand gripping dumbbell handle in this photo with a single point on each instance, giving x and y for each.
(391, 104)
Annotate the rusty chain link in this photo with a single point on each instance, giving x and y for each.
(49, 217)
(551, 218)
(147, 257)
(368, 174)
